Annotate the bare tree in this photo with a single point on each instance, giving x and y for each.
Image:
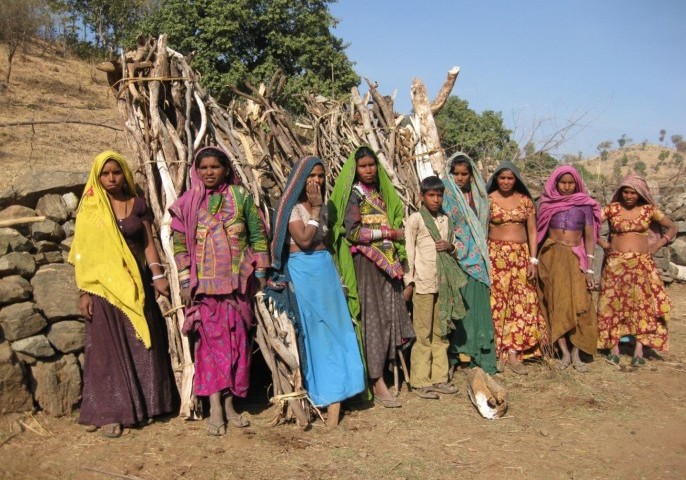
(19, 21)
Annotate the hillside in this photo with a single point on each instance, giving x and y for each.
(662, 164)
(46, 86)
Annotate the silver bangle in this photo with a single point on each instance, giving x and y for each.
(533, 260)
(157, 277)
(314, 223)
(377, 234)
(590, 271)
(590, 256)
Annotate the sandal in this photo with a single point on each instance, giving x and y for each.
(612, 358)
(112, 430)
(426, 393)
(216, 430)
(444, 388)
(580, 367)
(637, 361)
(562, 365)
(238, 421)
(392, 403)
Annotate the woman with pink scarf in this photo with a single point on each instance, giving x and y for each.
(220, 249)
(632, 297)
(568, 226)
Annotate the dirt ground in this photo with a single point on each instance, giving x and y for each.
(607, 423)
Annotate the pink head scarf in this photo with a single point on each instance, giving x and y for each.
(553, 202)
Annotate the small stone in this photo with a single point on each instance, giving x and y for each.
(12, 240)
(54, 257)
(71, 201)
(47, 230)
(20, 263)
(68, 228)
(57, 385)
(18, 211)
(55, 292)
(27, 359)
(36, 346)
(53, 206)
(67, 336)
(45, 246)
(544, 432)
(21, 320)
(14, 289)
(66, 243)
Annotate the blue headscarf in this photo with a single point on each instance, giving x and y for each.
(470, 228)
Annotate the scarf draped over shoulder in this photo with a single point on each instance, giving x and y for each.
(469, 227)
(103, 262)
(338, 204)
(553, 202)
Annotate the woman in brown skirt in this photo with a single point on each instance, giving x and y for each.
(568, 225)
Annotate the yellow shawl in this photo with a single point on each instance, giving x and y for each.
(103, 262)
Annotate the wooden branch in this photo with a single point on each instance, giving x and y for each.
(427, 126)
(58, 122)
(445, 90)
(20, 220)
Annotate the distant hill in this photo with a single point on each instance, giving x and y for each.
(659, 163)
(46, 86)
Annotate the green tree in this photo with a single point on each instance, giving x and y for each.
(249, 40)
(604, 149)
(663, 132)
(676, 139)
(640, 167)
(19, 21)
(623, 140)
(110, 21)
(479, 135)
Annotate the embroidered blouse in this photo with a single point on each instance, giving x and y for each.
(519, 214)
(573, 219)
(366, 212)
(224, 261)
(620, 225)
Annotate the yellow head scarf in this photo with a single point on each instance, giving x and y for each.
(103, 262)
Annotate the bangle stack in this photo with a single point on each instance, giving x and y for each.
(314, 223)
(533, 260)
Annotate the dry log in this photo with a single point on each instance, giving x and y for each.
(21, 220)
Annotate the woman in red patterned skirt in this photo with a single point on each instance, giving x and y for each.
(519, 325)
(632, 297)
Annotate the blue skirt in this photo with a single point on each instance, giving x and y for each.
(331, 363)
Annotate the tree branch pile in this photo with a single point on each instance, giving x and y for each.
(168, 115)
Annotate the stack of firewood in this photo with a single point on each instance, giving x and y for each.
(168, 115)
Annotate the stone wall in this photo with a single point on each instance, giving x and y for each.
(41, 328)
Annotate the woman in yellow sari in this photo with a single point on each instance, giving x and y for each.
(126, 376)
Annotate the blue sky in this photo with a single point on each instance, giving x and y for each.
(619, 65)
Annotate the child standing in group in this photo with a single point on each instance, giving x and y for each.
(433, 281)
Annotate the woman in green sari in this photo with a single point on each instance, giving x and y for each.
(466, 203)
(365, 218)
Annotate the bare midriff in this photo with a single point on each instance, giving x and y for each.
(571, 238)
(295, 248)
(508, 232)
(630, 242)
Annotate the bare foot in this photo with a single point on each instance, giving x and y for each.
(111, 430)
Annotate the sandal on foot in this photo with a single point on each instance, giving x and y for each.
(426, 393)
(562, 365)
(112, 430)
(637, 361)
(91, 428)
(238, 421)
(612, 358)
(391, 403)
(580, 367)
(216, 430)
(443, 387)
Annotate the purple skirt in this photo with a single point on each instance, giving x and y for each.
(124, 382)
